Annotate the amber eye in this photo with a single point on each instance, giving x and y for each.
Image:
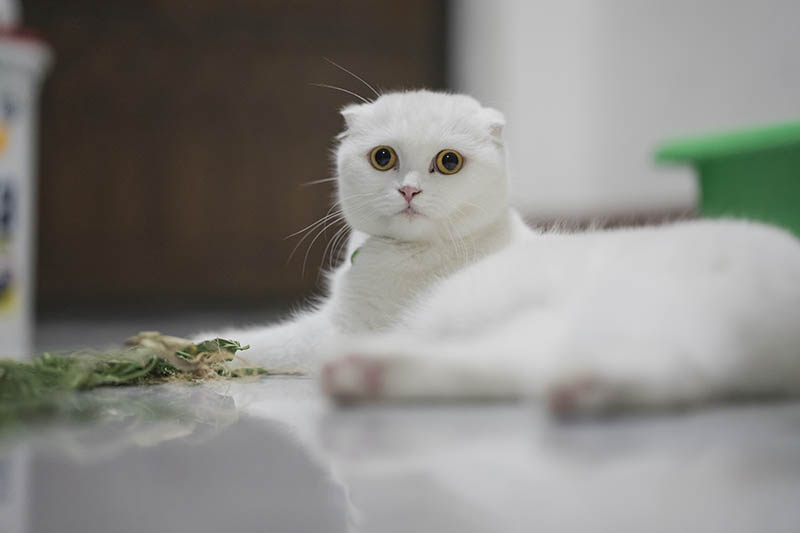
(449, 161)
(383, 157)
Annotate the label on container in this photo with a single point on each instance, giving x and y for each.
(21, 69)
(7, 217)
(9, 111)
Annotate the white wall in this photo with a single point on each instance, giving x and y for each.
(590, 87)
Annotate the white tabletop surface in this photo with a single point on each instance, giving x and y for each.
(275, 456)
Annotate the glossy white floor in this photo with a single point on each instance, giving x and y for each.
(274, 456)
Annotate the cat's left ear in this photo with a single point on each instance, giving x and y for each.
(496, 122)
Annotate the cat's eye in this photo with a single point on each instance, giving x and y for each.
(383, 157)
(449, 161)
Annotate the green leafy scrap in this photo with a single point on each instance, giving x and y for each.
(46, 384)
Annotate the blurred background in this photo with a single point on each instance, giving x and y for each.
(176, 136)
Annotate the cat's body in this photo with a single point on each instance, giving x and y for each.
(377, 291)
(450, 296)
(387, 278)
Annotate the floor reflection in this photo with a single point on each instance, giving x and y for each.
(273, 455)
(206, 467)
(513, 469)
(14, 489)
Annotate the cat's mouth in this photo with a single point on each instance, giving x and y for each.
(410, 212)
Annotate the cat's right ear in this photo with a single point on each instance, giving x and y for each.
(349, 114)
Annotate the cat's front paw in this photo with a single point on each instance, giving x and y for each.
(584, 395)
(353, 378)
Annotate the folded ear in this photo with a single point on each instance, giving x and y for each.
(495, 122)
(350, 114)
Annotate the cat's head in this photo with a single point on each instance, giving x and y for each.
(421, 166)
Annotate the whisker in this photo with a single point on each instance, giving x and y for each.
(318, 221)
(337, 240)
(447, 227)
(328, 216)
(308, 250)
(336, 217)
(476, 206)
(310, 232)
(315, 182)
(316, 237)
(469, 255)
(327, 246)
(320, 227)
(332, 246)
(337, 251)
(342, 90)
(337, 65)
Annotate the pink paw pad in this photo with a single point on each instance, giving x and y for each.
(352, 378)
(580, 396)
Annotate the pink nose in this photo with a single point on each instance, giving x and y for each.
(409, 192)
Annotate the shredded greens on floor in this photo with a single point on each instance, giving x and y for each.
(46, 385)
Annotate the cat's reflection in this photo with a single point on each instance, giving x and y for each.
(203, 467)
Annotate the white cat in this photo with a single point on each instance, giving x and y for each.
(449, 295)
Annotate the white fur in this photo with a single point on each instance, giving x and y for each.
(465, 301)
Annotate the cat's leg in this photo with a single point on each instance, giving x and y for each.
(611, 382)
(293, 346)
(590, 363)
(636, 344)
(501, 362)
(436, 371)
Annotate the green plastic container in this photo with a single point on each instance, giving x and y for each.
(753, 174)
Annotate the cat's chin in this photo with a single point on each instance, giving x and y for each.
(411, 225)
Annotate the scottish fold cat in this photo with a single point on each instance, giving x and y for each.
(447, 294)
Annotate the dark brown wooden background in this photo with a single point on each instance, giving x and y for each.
(176, 134)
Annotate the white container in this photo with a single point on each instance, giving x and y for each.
(9, 13)
(23, 62)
